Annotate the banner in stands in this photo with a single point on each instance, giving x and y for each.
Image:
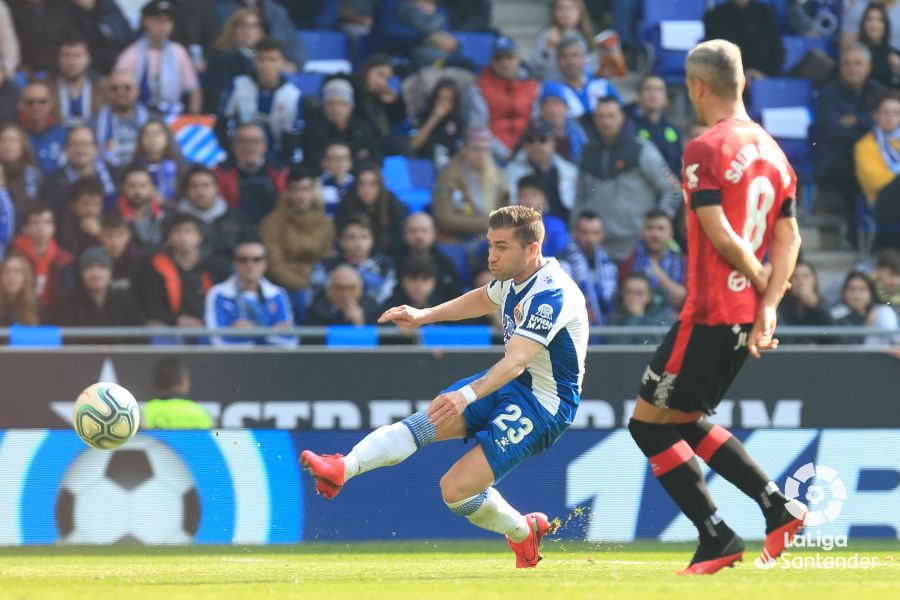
(324, 390)
(245, 487)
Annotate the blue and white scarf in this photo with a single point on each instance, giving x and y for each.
(598, 283)
(7, 220)
(671, 263)
(165, 177)
(889, 145)
(162, 92)
(31, 181)
(108, 137)
(77, 110)
(101, 173)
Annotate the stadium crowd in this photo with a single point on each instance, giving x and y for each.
(201, 169)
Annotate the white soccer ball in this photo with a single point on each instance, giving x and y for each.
(106, 416)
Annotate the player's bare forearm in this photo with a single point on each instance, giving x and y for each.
(783, 257)
(519, 352)
(733, 248)
(471, 305)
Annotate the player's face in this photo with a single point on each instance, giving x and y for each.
(589, 233)
(657, 233)
(507, 258)
(887, 117)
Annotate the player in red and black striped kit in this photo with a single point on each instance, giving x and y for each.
(741, 194)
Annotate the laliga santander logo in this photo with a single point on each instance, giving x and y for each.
(818, 477)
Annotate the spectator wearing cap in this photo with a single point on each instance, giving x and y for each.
(555, 174)
(530, 192)
(119, 120)
(417, 285)
(343, 301)
(164, 71)
(298, 233)
(621, 178)
(275, 19)
(419, 238)
(223, 226)
(649, 118)
(468, 190)
(247, 300)
(268, 98)
(249, 182)
(94, 302)
(568, 133)
(581, 89)
(435, 44)
(502, 98)
(180, 276)
(437, 132)
(339, 122)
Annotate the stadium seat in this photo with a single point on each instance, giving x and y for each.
(456, 335)
(410, 179)
(475, 46)
(460, 259)
(309, 83)
(48, 336)
(326, 51)
(784, 93)
(796, 47)
(668, 63)
(657, 11)
(351, 336)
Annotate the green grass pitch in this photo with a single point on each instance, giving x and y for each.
(424, 570)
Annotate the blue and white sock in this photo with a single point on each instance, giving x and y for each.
(389, 445)
(489, 510)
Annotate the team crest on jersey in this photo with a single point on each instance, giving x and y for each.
(690, 173)
(545, 311)
(542, 319)
(518, 315)
(737, 281)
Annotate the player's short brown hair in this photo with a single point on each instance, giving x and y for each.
(717, 63)
(526, 223)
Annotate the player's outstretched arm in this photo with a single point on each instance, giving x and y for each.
(520, 351)
(731, 246)
(783, 253)
(471, 305)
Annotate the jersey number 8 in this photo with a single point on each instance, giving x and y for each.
(515, 415)
(760, 198)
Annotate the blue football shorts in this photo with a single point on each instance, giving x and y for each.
(510, 424)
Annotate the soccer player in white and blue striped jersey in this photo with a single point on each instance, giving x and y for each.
(516, 409)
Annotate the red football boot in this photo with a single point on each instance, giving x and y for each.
(780, 532)
(327, 469)
(528, 550)
(711, 557)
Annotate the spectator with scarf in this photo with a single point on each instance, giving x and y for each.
(49, 262)
(569, 134)
(82, 160)
(266, 98)
(158, 152)
(585, 260)
(231, 56)
(337, 175)
(658, 257)
(21, 175)
(163, 68)
(76, 95)
(580, 88)
(118, 122)
(141, 208)
(45, 135)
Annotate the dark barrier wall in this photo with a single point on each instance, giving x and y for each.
(326, 390)
(246, 487)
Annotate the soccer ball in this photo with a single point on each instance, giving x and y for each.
(106, 416)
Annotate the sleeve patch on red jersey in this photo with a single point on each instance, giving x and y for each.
(706, 198)
(789, 207)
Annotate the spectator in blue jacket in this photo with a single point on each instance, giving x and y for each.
(581, 89)
(530, 193)
(267, 98)
(247, 300)
(36, 116)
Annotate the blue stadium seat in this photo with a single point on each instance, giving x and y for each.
(457, 254)
(656, 11)
(475, 46)
(410, 179)
(796, 47)
(309, 83)
(324, 45)
(456, 335)
(48, 336)
(351, 335)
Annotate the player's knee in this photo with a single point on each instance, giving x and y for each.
(450, 490)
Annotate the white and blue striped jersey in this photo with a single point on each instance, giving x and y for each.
(550, 309)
